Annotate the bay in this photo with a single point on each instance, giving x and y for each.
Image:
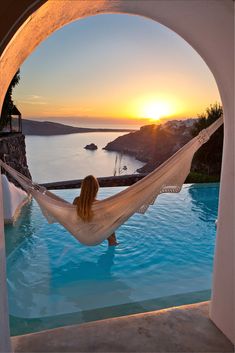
(63, 157)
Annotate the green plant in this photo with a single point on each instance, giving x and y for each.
(8, 103)
(208, 158)
(211, 114)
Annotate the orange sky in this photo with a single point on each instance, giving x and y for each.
(115, 66)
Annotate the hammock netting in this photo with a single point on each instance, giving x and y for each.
(110, 213)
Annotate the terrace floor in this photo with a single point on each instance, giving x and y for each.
(179, 329)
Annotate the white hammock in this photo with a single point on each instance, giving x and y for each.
(13, 200)
(110, 213)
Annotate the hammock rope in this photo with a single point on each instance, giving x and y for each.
(113, 211)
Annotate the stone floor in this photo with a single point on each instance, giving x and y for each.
(179, 329)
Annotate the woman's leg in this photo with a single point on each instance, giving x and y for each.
(112, 240)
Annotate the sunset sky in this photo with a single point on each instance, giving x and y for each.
(115, 66)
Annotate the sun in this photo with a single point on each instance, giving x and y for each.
(156, 110)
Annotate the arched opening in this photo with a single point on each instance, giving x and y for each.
(47, 19)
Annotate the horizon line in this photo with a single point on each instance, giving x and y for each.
(110, 119)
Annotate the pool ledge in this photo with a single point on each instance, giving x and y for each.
(179, 329)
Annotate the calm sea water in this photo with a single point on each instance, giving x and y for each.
(63, 157)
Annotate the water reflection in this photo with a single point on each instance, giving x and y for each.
(77, 270)
(88, 285)
(74, 286)
(205, 201)
(25, 226)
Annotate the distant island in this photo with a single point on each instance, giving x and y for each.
(91, 147)
(49, 128)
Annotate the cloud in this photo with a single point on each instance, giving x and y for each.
(34, 96)
(32, 99)
(32, 103)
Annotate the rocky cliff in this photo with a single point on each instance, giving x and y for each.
(154, 144)
(13, 152)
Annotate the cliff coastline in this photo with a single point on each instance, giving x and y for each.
(154, 144)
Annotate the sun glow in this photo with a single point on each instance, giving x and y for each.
(156, 110)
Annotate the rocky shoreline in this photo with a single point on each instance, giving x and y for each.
(153, 144)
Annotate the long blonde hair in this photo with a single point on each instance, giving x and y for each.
(89, 189)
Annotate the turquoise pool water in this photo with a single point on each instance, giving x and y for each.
(164, 258)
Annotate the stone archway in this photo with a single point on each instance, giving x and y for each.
(207, 25)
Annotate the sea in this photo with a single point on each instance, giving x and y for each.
(63, 157)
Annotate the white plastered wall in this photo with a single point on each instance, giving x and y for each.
(207, 25)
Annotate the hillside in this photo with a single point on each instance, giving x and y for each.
(48, 128)
(154, 144)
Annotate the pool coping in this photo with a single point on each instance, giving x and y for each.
(185, 328)
(22, 326)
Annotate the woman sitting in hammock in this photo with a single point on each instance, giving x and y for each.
(89, 190)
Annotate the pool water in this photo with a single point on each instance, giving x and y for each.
(164, 258)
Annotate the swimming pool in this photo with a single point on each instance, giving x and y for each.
(164, 258)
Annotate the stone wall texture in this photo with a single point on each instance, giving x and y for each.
(13, 152)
